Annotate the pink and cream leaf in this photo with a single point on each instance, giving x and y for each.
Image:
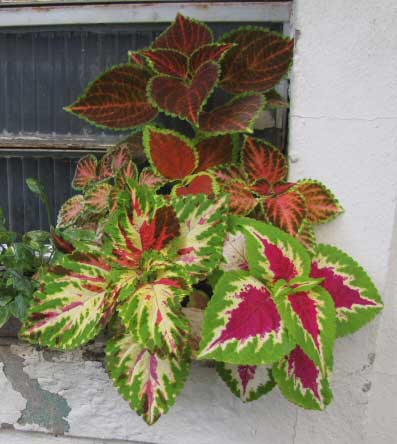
(96, 199)
(234, 251)
(86, 172)
(301, 381)
(242, 324)
(70, 211)
(357, 301)
(149, 381)
(247, 382)
(148, 178)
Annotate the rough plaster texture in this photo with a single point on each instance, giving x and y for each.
(344, 132)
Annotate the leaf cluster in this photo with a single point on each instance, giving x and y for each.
(207, 251)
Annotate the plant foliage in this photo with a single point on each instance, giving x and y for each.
(206, 251)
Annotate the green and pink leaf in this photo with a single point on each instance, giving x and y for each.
(272, 253)
(310, 319)
(247, 382)
(242, 324)
(148, 381)
(357, 301)
(72, 304)
(301, 381)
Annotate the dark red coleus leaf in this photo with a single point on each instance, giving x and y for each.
(207, 53)
(171, 154)
(238, 115)
(258, 62)
(275, 100)
(242, 201)
(137, 58)
(184, 35)
(116, 99)
(199, 183)
(263, 161)
(321, 204)
(286, 211)
(168, 61)
(182, 99)
(215, 151)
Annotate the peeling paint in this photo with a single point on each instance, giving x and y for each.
(43, 408)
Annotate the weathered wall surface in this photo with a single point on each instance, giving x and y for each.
(344, 132)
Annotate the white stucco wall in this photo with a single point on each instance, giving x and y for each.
(343, 131)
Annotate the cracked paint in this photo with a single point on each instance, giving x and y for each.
(44, 409)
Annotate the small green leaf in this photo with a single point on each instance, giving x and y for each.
(37, 188)
(4, 315)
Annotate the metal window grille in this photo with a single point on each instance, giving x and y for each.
(47, 57)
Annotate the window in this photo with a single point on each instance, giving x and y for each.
(47, 57)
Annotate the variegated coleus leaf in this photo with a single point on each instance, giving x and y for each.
(168, 61)
(136, 58)
(234, 251)
(242, 200)
(356, 298)
(201, 183)
(242, 324)
(238, 115)
(275, 100)
(258, 61)
(183, 99)
(70, 211)
(214, 151)
(306, 236)
(261, 160)
(309, 315)
(96, 199)
(184, 35)
(171, 154)
(153, 314)
(73, 302)
(141, 223)
(287, 211)
(301, 381)
(86, 172)
(322, 206)
(247, 382)
(116, 99)
(202, 233)
(272, 253)
(148, 178)
(149, 381)
(212, 52)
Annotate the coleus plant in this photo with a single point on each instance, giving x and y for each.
(206, 251)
